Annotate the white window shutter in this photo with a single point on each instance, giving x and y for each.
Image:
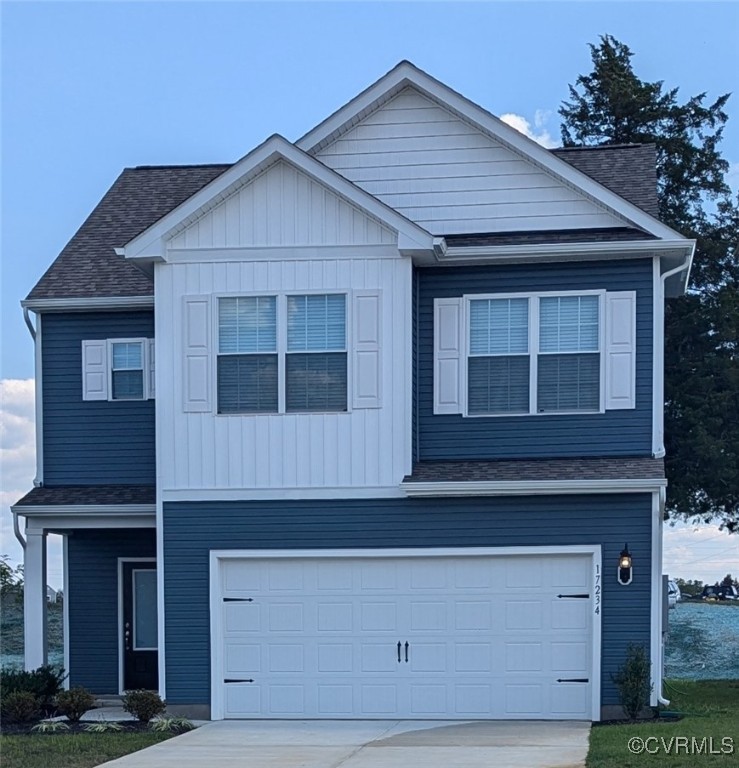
(95, 370)
(196, 346)
(152, 382)
(620, 351)
(448, 355)
(366, 353)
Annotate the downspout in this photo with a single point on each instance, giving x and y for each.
(29, 324)
(660, 698)
(17, 530)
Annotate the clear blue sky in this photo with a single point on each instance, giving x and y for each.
(88, 89)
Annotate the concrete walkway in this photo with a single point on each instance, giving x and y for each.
(369, 744)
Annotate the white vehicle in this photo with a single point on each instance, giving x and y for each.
(673, 594)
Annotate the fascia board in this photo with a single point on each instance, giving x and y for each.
(87, 303)
(406, 74)
(273, 149)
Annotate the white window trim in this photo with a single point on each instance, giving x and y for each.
(281, 349)
(533, 350)
(145, 365)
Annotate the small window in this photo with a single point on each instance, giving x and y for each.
(316, 359)
(247, 355)
(127, 370)
(569, 358)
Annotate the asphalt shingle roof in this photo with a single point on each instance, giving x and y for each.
(82, 495)
(88, 265)
(610, 468)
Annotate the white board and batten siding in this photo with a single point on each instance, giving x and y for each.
(368, 446)
(282, 207)
(450, 178)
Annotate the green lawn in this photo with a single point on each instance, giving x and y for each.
(80, 750)
(711, 709)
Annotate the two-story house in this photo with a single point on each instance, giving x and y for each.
(367, 425)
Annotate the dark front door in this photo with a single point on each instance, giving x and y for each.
(140, 667)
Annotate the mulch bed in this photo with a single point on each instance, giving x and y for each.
(20, 729)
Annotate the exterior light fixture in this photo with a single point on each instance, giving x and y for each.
(625, 569)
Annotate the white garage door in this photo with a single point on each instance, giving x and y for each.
(414, 637)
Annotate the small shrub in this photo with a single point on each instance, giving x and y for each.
(74, 703)
(632, 681)
(50, 726)
(20, 707)
(44, 683)
(172, 725)
(143, 704)
(102, 726)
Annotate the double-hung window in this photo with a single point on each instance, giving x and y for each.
(279, 354)
(127, 370)
(534, 354)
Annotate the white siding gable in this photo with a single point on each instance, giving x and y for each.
(450, 178)
(283, 207)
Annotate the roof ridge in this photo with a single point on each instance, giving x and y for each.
(631, 145)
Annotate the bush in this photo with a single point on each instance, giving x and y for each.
(50, 726)
(20, 707)
(43, 683)
(632, 681)
(143, 704)
(74, 703)
(103, 726)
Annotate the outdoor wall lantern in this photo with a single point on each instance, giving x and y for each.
(625, 569)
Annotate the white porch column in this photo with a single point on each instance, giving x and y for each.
(34, 598)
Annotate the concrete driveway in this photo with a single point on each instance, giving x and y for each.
(369, 744)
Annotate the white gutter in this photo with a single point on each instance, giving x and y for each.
(455, 253)
(89, 302)
(17, 530)
(526, 487)
(29, 324)
(49, 510)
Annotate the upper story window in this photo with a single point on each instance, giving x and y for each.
(534, 354)
(267, 366)
(571, 352)
(118, 369)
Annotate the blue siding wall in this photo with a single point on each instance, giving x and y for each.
(93, 602)
(93, 442)
(614, 433)
(192, 529)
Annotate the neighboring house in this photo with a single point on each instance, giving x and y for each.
(405, 419)
(51, 594)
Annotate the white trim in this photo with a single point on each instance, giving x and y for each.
(658, 361)
(107, 510)
(161, 326)
(134, 571)
(39, 404)
(655, 635)
(632, 249)
(88, 302)
(282, 253)
(151, 243)
(215, 592)
(65, 607)
(529, 487)
(406, 74)
(281, 494)
(122, 560)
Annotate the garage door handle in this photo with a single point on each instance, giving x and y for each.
(398, 651)
(406, 651)
(573, 680)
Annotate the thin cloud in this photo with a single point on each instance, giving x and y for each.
(536, 131)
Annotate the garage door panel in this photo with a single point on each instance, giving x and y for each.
(488, 637)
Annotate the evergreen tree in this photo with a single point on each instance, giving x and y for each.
(611, 105)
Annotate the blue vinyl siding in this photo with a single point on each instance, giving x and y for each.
(613, 433)
(93, 602)
(192, 529)
(92, 442)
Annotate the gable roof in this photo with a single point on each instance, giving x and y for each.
(406, 75)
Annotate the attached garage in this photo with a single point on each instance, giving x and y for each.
(494, 633)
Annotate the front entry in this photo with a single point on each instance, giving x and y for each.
(139, 625)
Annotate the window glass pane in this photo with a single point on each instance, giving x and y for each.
(568, 383)
(144, 609)
(128, 355)
(316, 323)
(316, 382)
(499, 326)
(247, 324)
(128, 385)
(247, 384)
(568, 323)
(498, 385)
